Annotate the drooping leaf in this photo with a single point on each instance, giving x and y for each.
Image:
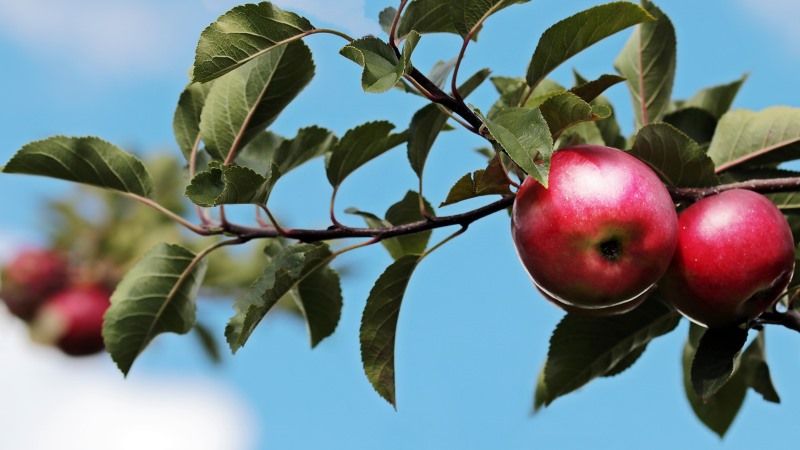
(489, 181)
(590, 90)
(156, 296)
(320, 300)
(583, 348)
(757, 370)
(466, 14)
(379, 325)
(697, 123)
(382, 68)
(648, 62)
(228, 185)
(719, 410)
(86, 160)
(525, 136)
(626, 363)
(578, 32)
(186, 121)
(244, 102)
(716, 359)
(716, 100)
(748, 138)
(405, 211)
(359, 146)
(241, 35)
(208, 342)
(675, 157)
(429, 121)
(289, 267)
(567, 109)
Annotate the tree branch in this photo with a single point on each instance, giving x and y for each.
(764, 186)
(788, 319)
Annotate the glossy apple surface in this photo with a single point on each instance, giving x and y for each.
(601, 234)
(29, 278)
(735, 257)
(73, 320)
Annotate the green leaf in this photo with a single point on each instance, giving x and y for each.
(748, 138)
(156, 296)
(268, 150)
(716, 100)
(576, 33)
(208, 342)
(86, 160)
(408, 49)
(719, 410)
(489, 181)
(405, 211)
(567, 109)
(186, 121)
(426, 16)
(525, 136)
(359, 146)
(320, 300)
(385, 19)
(676, 158)
(244, 102)
(441, 72)
(697, 123)
(580, 133)
(755, 368)
(648, 62)
(429, 121)
(716, 359)
(288, 268)
(626, 363)
(382, 68)
(379, 325)
(466, 14)
(243, 34)
(228, 185)
(609, 127)
(583, 348)
(590, 90)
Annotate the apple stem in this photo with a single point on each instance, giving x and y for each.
(789, 319)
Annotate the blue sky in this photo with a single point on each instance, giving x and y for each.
(473, 332)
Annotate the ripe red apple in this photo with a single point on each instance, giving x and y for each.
(601, 234)
(735, 257)
(73, 320)
(29, 278)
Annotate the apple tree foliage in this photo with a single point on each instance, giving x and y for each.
(251, 63)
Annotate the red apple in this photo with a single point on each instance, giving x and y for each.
(735, 257)
(31, 276)
(73, 320)
(601, 234)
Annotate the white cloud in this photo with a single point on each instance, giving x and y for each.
(780, 16)
(112, 36)
(50, 401)
(348, 14)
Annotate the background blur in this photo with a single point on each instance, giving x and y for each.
(471, 336)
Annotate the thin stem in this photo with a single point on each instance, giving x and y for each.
(789, 319)
(395, 22)
(202, 213)
(275, 224)
(457, 233)
(463, 51)
(505, 172)
(332, 209)
(175, 217)
(764, 186)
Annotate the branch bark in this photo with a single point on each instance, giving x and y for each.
(764, 186)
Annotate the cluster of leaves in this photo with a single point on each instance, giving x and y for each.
(251, 63)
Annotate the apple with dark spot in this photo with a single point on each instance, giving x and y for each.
(600, 235)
